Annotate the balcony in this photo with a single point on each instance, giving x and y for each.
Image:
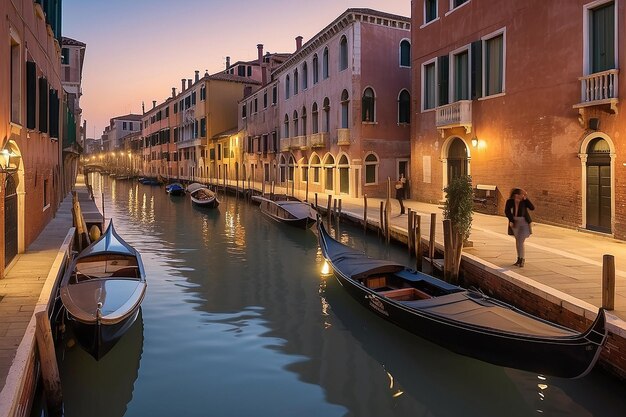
(298, 142)
(457, 114)
(599, 89)
(343, 136)
(284, 144)
(318, 140)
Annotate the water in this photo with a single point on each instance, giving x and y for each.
(238, 322)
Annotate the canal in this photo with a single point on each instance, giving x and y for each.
(238, 321)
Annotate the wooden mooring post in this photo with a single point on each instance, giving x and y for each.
(328, 212)
(381, 225)
(448, 246)
(49, 368)
(364, 213)
(317, 207)
(431, 241)
(608, 282)
(417, 235)
(409, 231)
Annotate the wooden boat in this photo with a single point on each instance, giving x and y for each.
(289, 210)
(464, 321)
(149, 181)
(102, 290)
(202, 196)
(175, 188)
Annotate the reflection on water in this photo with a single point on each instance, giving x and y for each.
(239, 322)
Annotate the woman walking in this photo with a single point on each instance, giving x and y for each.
(517, 211)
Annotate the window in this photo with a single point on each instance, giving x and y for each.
(305, 76)
(345, 102)
(203, 93)
(430, 10)
(601, 38)
(315, 166)
(493, 65)
(43, 105)
(287, 87)
(428, 86)
(243, 111)
(249, 71)
(295, 123)
(203, 127)
(274, 94)
(371, 169)
(256, 107)
(460, 68)
(367, 106)
(123, 125)
(286, 130)
(343, 53)
(326, 107)
(265, 99)
(303, 117)
(405, 53)
(329, 168)
(315, 119)
(65, 56)
(16, 83)
(295, 82)
(241, 71)
(404, 107)
(316, 69)
(325, 64)
(31, 95)
(456, 3)
(46, 201)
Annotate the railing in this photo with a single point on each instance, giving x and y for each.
(298, 142)
(456, 114)
(343, 136)
(284, 144)
(598, 88)
(318, 140)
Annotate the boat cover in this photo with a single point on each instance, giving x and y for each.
(195, 187)
(109, 242)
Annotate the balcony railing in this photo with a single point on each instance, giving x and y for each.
(284, 144)
(343, 136)
(599, 88)
(454, 115)
(318, 140)
(298, 142)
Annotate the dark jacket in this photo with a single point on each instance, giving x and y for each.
(522, 210)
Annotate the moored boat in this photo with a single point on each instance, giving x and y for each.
(175, 188)
(290, 211)
(102, 290)
(464, 321)
(202, 196)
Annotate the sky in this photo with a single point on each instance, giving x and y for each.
(137, 50)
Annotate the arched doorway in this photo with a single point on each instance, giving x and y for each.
(344, 175)
(10, 219)
(457, 159)
(598, 187)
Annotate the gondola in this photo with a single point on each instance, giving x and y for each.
(175, 188)
(464, 321)
(202, 196)
(290, 211)
(102, 290)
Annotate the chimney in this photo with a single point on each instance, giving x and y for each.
(173, 92)
(259, 48)
(189, 83)
(183, 81)
(197, 75)
(227, 62)
(153, 103)
(298, 42)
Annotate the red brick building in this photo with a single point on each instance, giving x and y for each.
(523, 94)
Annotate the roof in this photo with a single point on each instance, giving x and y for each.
(221, 76)
(71, 42)
(131, 116)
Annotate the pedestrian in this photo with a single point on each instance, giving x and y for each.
(517, 211)
(400, 191)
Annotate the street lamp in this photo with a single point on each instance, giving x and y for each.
(5, 161)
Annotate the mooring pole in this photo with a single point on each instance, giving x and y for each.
(608, 282)
(49, 368)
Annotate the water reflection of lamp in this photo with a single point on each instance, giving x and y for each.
(326, 272)
(5, 161)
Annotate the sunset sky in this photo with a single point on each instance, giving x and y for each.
(137, 50)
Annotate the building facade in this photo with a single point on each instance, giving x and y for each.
(338, 109)
(119, 127)
(527, 95)
(31, 99)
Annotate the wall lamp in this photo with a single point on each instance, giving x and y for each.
(474, 142)
(6, 157)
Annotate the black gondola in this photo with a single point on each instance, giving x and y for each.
(464, 321)
(102, 291)
(287, 210)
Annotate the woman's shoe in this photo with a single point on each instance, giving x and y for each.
(521, 262)
(517, 262)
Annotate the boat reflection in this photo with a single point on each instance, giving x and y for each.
(105, 387)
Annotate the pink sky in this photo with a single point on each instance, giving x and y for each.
(137, 50)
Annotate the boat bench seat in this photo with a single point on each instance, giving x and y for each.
(128, 272)
(416, 276)
(405, 294)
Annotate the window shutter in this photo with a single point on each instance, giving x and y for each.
(31, 95)
(476, 71)
(442, 77)
(43, 105)
(53, 118)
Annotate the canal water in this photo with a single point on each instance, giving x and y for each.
(238, 321)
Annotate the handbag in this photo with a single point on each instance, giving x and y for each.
(510, 231)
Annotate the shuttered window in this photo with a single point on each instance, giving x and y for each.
(43, 105)
(494, 65)
(428, 88)
(461, 76)
(31, 95)
(602, 37)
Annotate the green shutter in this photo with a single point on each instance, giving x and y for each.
(442, 78)
(31, 95)
(602, 38)
(43, 105)
(476, 71)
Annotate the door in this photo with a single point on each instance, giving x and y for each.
(457, 160)
(599, 186)
(10, 220)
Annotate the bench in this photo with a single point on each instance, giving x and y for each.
(405, 294)
(486, 199)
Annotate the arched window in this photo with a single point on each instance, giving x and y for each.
(344, 174)
(303, 117)
(282, 167)
(343, 53)
(371, 169)
(316, 69)
(295, 123)
(315, 117)
(287, 87)
(345, 102)
(405, 53)
(404, 107)
(315, 167)
(325, 64)
(291, 168)
(305, 76)
(286, 131)
(329, 170)
(326, 106)
(295, 82)
(367, 106)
